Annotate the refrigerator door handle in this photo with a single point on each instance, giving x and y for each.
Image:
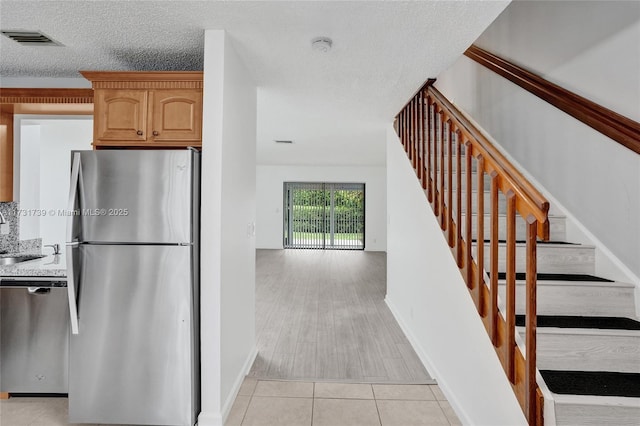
(71, 288)
(72, 245)
(73, 194)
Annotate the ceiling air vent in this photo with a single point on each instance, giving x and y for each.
(30, 38)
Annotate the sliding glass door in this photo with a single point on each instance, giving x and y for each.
(324, 215)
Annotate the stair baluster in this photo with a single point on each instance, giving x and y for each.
(414, 128)
(424, 131)
(480, 235)
(459, 237)
(430, 158)
(432, 132)
(511, 286)
(441, 142)
(493, 258)
(449, 219)
(531, 309)
(468, 230)
(436, 167)
(420, 138)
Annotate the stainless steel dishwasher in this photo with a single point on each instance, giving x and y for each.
(34, 335)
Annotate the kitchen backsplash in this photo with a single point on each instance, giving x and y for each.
(9, 242)
(30, 246)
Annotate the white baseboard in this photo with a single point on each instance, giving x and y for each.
(218, 419)
(209, 419)
(431, 368)
(226, 407)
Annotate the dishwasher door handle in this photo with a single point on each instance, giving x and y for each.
(38, 290)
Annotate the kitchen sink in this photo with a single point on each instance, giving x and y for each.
(10, 260)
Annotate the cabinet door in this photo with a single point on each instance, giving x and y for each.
(6, 153)
(121, 115)
(176, 115)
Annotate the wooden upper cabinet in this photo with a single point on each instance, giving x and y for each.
(147, 109)
(176, 115)
(120, 115)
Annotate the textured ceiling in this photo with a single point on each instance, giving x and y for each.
(327, 103)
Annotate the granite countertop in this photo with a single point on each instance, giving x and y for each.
(47, 266)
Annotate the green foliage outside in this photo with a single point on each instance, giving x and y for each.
(311, 211)
(315, 197)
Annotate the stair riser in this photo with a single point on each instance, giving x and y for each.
(454, 168)
(474, 181)
(487, 202)
(596, 415)
(555, 299)
(586, 352)
(557, 229)
(502, 202)
(551, 259)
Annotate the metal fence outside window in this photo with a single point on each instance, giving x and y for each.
(320, 215)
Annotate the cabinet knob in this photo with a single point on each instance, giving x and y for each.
(139, 133)
(155, 133)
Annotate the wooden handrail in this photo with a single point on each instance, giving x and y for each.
(528, 193)
(617, 127)
(436, 136)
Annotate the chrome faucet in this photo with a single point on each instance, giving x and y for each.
(3, 220)
(56, 248)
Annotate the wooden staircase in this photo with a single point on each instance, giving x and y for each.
(544, 310)
(592, 303)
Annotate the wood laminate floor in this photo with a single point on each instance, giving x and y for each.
(321, 316)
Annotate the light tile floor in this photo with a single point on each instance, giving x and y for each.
(280, 403)
(34, 412)
(274, 403)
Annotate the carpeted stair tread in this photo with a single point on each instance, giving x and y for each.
(568, 321)
(525, 241)
(557, 277)
(600, 383)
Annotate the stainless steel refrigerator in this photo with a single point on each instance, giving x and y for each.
(133, 287)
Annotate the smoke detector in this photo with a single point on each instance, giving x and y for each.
(321, 44)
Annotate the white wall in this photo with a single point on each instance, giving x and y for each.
(430, 300)
(589, 47)
(58, 137)
(27, 186)
(43, 146)
(270, 180)
(228, 220)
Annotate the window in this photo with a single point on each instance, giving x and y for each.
(324, 215)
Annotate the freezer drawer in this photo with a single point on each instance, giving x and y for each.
(34, 334)
(135, 357)
(136, 196)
